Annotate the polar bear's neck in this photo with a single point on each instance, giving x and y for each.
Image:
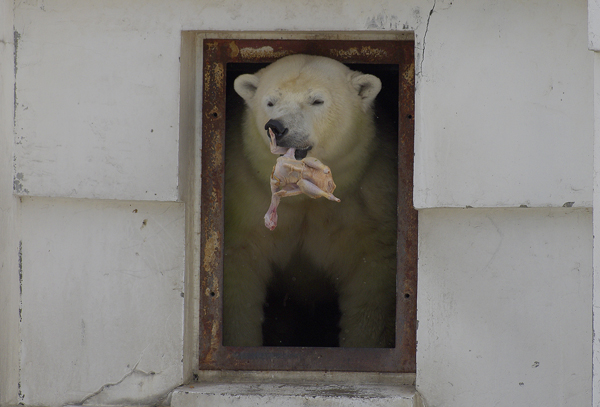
(348, 165)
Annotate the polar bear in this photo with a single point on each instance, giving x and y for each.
(323, 109)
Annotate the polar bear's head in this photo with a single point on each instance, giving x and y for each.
(314, 104)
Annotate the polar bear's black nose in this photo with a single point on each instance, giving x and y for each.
(278, 128)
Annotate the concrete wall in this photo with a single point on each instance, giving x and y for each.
(96, 278)
(9, 269)
(506, 106)
(504, 307)
(594, 44)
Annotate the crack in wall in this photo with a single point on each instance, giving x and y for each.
(420, 72)
(114, 399)
(16, 38)
(439, 6)
(106, 386)
(20, 395)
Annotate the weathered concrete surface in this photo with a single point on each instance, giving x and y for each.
(504, 307)
(102, 301)
(286, 389)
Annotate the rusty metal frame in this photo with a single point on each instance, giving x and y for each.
(213, 355)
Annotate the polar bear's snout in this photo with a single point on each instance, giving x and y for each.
(278, 128)
(285, 138)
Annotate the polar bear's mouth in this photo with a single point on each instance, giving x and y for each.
(300, 150)
(301, 153)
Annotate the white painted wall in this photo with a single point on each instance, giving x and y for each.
(102, 110)
(9, 276)
(504, 118)
(505, 106)
(594, 35)
(102, 300)
(594, 25)
(504, 307)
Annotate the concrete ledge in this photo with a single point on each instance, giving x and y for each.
(314, 390)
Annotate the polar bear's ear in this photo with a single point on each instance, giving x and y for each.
(367, 86)
(246, 85)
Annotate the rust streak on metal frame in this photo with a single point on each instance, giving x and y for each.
(364, 51)
(262, 52)
(213, 108)
(407, 216)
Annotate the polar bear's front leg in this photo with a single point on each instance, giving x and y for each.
(245, 279)
(368, 305)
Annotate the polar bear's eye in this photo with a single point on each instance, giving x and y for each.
(317, 102)
(270, 101)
